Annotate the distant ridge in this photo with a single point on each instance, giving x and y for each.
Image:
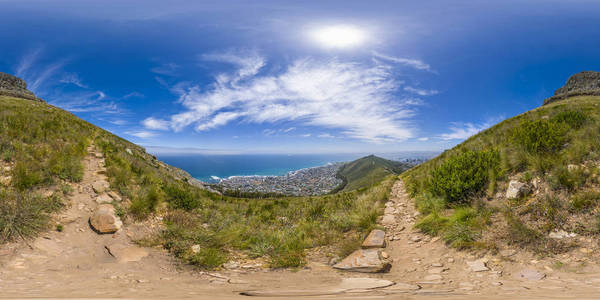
(585, 83)
(13, 86)
(367, 171)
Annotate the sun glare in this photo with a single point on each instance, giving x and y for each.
(340, 36)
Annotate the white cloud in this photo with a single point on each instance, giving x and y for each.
(356, 98)
(326, 136)
(86, 101)
(420, 92)
(288, 129)
(34, 74)
(414, 63)
(73, 78)
(305, 135)
(152, 123)
(423, 139)
(142, 134)
(462, 131)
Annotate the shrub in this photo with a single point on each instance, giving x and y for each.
(540, 136)
(573, 119)
(584, 200)
(571, 180)
(432, 224)
(464, 175)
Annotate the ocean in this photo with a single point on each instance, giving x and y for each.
(212, 168)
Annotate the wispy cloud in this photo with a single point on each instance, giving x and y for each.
(326, 136)
(85, 101)
(420, 92)
(357, 98)
(142, 134)
(462, 131)
(152, 123)
(423, 139)
(72, 78)
(168, 69)
(414, 63)
(34, 73)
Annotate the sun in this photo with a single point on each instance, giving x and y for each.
(339, 36)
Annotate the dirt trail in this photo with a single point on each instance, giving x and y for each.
(75, 263)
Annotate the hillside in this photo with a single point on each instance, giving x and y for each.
(367, 171)
(530, 182)
(42, 148)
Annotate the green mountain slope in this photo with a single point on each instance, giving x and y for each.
(368, 171)
(42, 147)
(516, 182)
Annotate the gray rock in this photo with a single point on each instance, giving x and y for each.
(561, 234)
(388, 220)
(15, 87)
(583, 83)
(365, 261)
(115, 196)
(517, 189)
(375, 239)
(508, 252)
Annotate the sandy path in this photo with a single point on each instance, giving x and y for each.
(75, 264)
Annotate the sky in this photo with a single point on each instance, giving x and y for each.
(297, 76)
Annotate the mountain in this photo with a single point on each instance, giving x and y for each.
(46, 151)
(531, 181)
(367, 171)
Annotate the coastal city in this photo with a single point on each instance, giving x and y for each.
(305, 182)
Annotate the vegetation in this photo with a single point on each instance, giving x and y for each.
(41, 147)
(368, 171)
(556, 144)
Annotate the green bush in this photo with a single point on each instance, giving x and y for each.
(585, 200)
(573, 119)
(571, 180)
(540, 136)
(464, 175)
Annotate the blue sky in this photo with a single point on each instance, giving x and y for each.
(297, 76)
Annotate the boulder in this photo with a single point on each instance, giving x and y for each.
(103, 198)
(100, 186)
(104, 219)
(561, 234)
(517, 189)
(114, 196)
(388, 220)
(364, 261)
(375, 239)
(126, 253)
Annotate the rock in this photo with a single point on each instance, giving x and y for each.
(365, 261)
(389, 210)
(103, 198)
(196, 248)
(48, 193)
(5, 180)
(375, 239)
(508, 252)
(561, 234)
(236, 281)
(384, 255)
(388, 220)
(415, 238)
(98, 155)
(571, 168)
(433, 277)
(530, 274)
(100, 186)
(15, 87)
(104, 219)
(128, 151)
(583, 83)
(516, 189)
(125, 253)
(437, 265)
(477, 266)
(450, 260)
(496, 283)
(114, 195)
(231, 265)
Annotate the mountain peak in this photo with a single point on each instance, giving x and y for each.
(585, 83)
(13, 86)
